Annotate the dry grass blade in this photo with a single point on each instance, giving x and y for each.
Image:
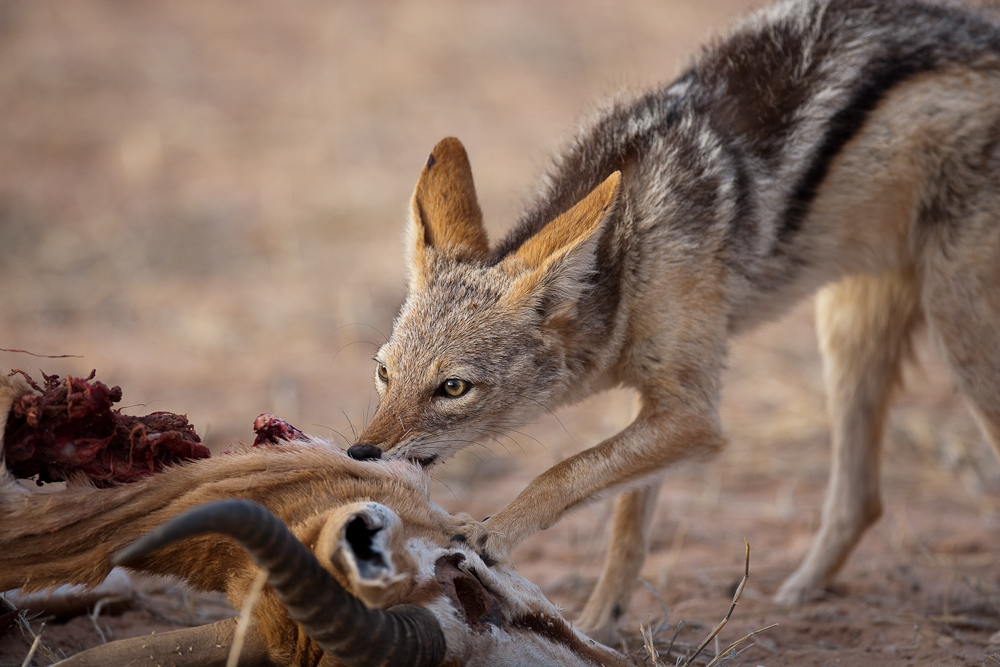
(673, 639)
(663, 606)
(721, 654)
(647, 642)
(26, 631)
(43, 356)
(736, 598)
(34, 647)
(244, 623)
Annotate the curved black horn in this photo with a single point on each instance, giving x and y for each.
(341, 624)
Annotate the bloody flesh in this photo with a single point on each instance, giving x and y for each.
(68, 428)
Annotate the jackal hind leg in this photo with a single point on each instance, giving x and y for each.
(608, 603)
(962, 301)
(865, 327)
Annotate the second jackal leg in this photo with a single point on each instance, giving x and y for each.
(627, 549)
(865, 325)
(963, 307)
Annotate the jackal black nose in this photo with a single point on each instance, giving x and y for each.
(364, 452)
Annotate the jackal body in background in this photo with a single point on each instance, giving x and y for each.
(848, 145)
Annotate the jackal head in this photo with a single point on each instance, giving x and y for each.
(481, 342)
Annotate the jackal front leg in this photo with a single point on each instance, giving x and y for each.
(635, 456)
(626, 554)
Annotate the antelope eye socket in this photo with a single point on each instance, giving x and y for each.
(383, 373)
(454, 387)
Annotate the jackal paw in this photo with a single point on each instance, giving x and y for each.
(480, 538)
(796, 591)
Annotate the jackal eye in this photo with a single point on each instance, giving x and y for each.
(453, 388)
(383, 373)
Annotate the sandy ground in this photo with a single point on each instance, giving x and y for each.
(205, 202)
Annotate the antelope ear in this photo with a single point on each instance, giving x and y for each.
(444, 211)
(556, 262)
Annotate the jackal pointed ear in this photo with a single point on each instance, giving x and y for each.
(557, 260)
(444, 212)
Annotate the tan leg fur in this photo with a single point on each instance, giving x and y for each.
(865, 325)
(626, 554)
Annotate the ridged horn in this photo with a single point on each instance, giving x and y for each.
(342, 625)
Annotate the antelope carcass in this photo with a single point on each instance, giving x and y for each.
(360, 565)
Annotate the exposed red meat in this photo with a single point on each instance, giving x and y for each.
(270, 429)
(69, 428)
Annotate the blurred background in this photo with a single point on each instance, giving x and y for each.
(206, 202)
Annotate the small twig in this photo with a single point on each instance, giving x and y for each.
(43, 356)
(97, 612)
(97, 626)
(647, 642)
(244, 623)
(680, 626)
(25, 627)
(736, 643)
(736, 598)
(663, 605)
(34, 647)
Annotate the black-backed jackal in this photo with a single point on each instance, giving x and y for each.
(846, 146)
